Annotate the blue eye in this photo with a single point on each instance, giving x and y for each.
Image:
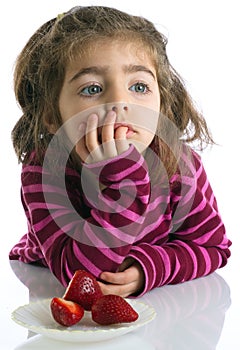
(140, 88)
(91, 90)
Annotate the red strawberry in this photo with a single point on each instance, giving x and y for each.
(83, 289)
(111, 309)
(66, 313)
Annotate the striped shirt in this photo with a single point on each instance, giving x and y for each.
(172, 228)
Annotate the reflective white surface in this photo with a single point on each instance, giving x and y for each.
(199, 315)
(204, 48)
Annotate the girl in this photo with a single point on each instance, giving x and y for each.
(109, 183)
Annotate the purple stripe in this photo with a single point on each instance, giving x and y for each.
(207, 260)
(204, 238)
(125, 173)
(113, 232)
(130, 183)
(88, 264)
(194, 228)
(153, 267)
(192, 255)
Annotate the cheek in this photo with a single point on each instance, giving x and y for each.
(143, 141)
(145, 119)
(148, 138)
(75, 115)
(156, 100)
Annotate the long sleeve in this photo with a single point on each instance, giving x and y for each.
(71, 230)
(196, 243)
(174, 231)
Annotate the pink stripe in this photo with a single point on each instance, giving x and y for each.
(189, 158)
(32, 169)
(205, 187)
(212, 199)
(144, 199)
(207, 260)
(32, 188)
(47, 244)
(166, 263)
(174, 273)
(40, 225)
(155, 225)
(196, 210)
(44, 188)
(147, 256)
(122, 237)
(191, 190)
(205, 237)
(128, 214)
(48, 206)
(224, 243)
(110, 254)
(196, 227)
(42, 170)
(130, 183)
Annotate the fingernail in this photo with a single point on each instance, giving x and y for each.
(93, 117)
(111, 114)
(81, 129)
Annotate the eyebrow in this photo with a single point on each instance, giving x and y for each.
(132, 68)
(89, 70)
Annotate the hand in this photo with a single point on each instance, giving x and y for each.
(127, 281)
(99, 143)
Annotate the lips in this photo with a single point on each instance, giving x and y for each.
(130, 130)
(118, 125)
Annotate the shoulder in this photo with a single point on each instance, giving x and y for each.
(190, 169)
(191, 159)
(34, 171)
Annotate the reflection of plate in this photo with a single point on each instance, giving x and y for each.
(37, 318)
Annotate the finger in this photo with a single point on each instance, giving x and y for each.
(108, 142)
(121, 132)
(126, 264)
(119, 278)
(91, 133)
(108, 127)
(80, 146)
(127, 282)
(121, 139)
(121, 290)
(91, 139)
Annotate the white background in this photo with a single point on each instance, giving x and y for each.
(203, 47)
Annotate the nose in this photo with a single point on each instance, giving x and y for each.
(118, 107)
(117, 98)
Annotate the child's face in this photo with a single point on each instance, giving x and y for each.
(114, 75)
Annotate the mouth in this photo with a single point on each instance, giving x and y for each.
(130, 131)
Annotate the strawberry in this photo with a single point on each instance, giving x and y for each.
(110, 309)
(66, 313)
(83, 289)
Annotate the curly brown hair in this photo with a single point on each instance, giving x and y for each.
(40, 71)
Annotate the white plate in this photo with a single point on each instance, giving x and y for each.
(37, 317)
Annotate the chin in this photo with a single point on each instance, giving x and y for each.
(140, 146)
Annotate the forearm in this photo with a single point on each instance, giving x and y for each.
(97, 237)
(177, 262)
